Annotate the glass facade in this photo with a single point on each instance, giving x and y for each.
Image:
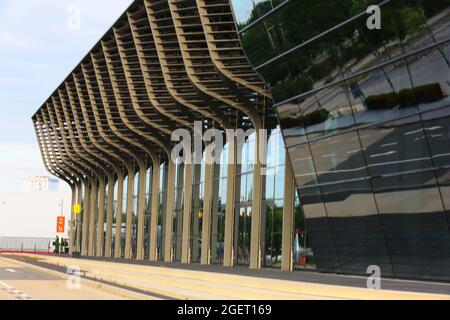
(163, 180)
(134, 224)
(148, 213)
(219, 208)
(274, 201)
(365, 117)
(198, 192)
(243, 208)
(177, 238)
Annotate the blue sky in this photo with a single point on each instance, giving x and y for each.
(243, 8)
(37, 51)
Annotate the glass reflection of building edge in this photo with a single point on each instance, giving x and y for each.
(365, 117)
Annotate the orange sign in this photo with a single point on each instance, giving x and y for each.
(60, 224)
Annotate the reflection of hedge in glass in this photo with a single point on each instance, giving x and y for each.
(315, 117)
(310, 119)
(428, 93)
(290, 88)
(382, 101)
(406, 98)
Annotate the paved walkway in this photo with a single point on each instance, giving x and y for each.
(182, 283)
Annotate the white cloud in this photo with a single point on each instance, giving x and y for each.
(8, 40)
(38, 51)
(17, 163)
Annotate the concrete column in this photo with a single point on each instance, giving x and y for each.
(86, 213)
(153, 238)
(288, 217)
(78, 219)
(109, 216)
(187, 211)
(92, 219)
(130, 201)
(169, 213)
(207, 211)
(72, 218)
(119, 212)
(141, 210)
(257, 203)
(101, 217)
(228, 260)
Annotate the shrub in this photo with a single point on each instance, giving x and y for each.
(382, 101)
(290, 88)
(406, 97)
(315, 117)
(429, 93)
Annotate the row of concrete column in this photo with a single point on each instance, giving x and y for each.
(90, 241)
(163, 65)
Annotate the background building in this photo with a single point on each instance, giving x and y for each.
(41, 183)
(32, 214)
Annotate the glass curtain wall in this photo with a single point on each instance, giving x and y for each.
(362, 114)
(274, 200)
(197, 212)
(177, 238)
(114, 220)
(162, 210)
(134, 223)
(219, 208)
(103, 212)
(243, 207)
(123, 225)
(148, 208)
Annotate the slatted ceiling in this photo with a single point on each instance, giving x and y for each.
(99, 109)
(154, 85)
(133, 141)
(52, 166)
(156, 89)
(59, 108)
(159, 98)
(98, 153)
(174, 70)
(198, 63)
(89, 120)
(164, 131)
(128, 110)
(60, 148)
(224, 45)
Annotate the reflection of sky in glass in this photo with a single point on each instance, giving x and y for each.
(243, 8)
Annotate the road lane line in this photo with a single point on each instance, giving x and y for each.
(6, 285)
(16, 293)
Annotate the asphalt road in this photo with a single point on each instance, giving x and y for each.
(18, 282)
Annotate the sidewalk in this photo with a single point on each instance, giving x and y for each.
(193, 285)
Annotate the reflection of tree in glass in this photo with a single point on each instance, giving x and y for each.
(325, 59)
